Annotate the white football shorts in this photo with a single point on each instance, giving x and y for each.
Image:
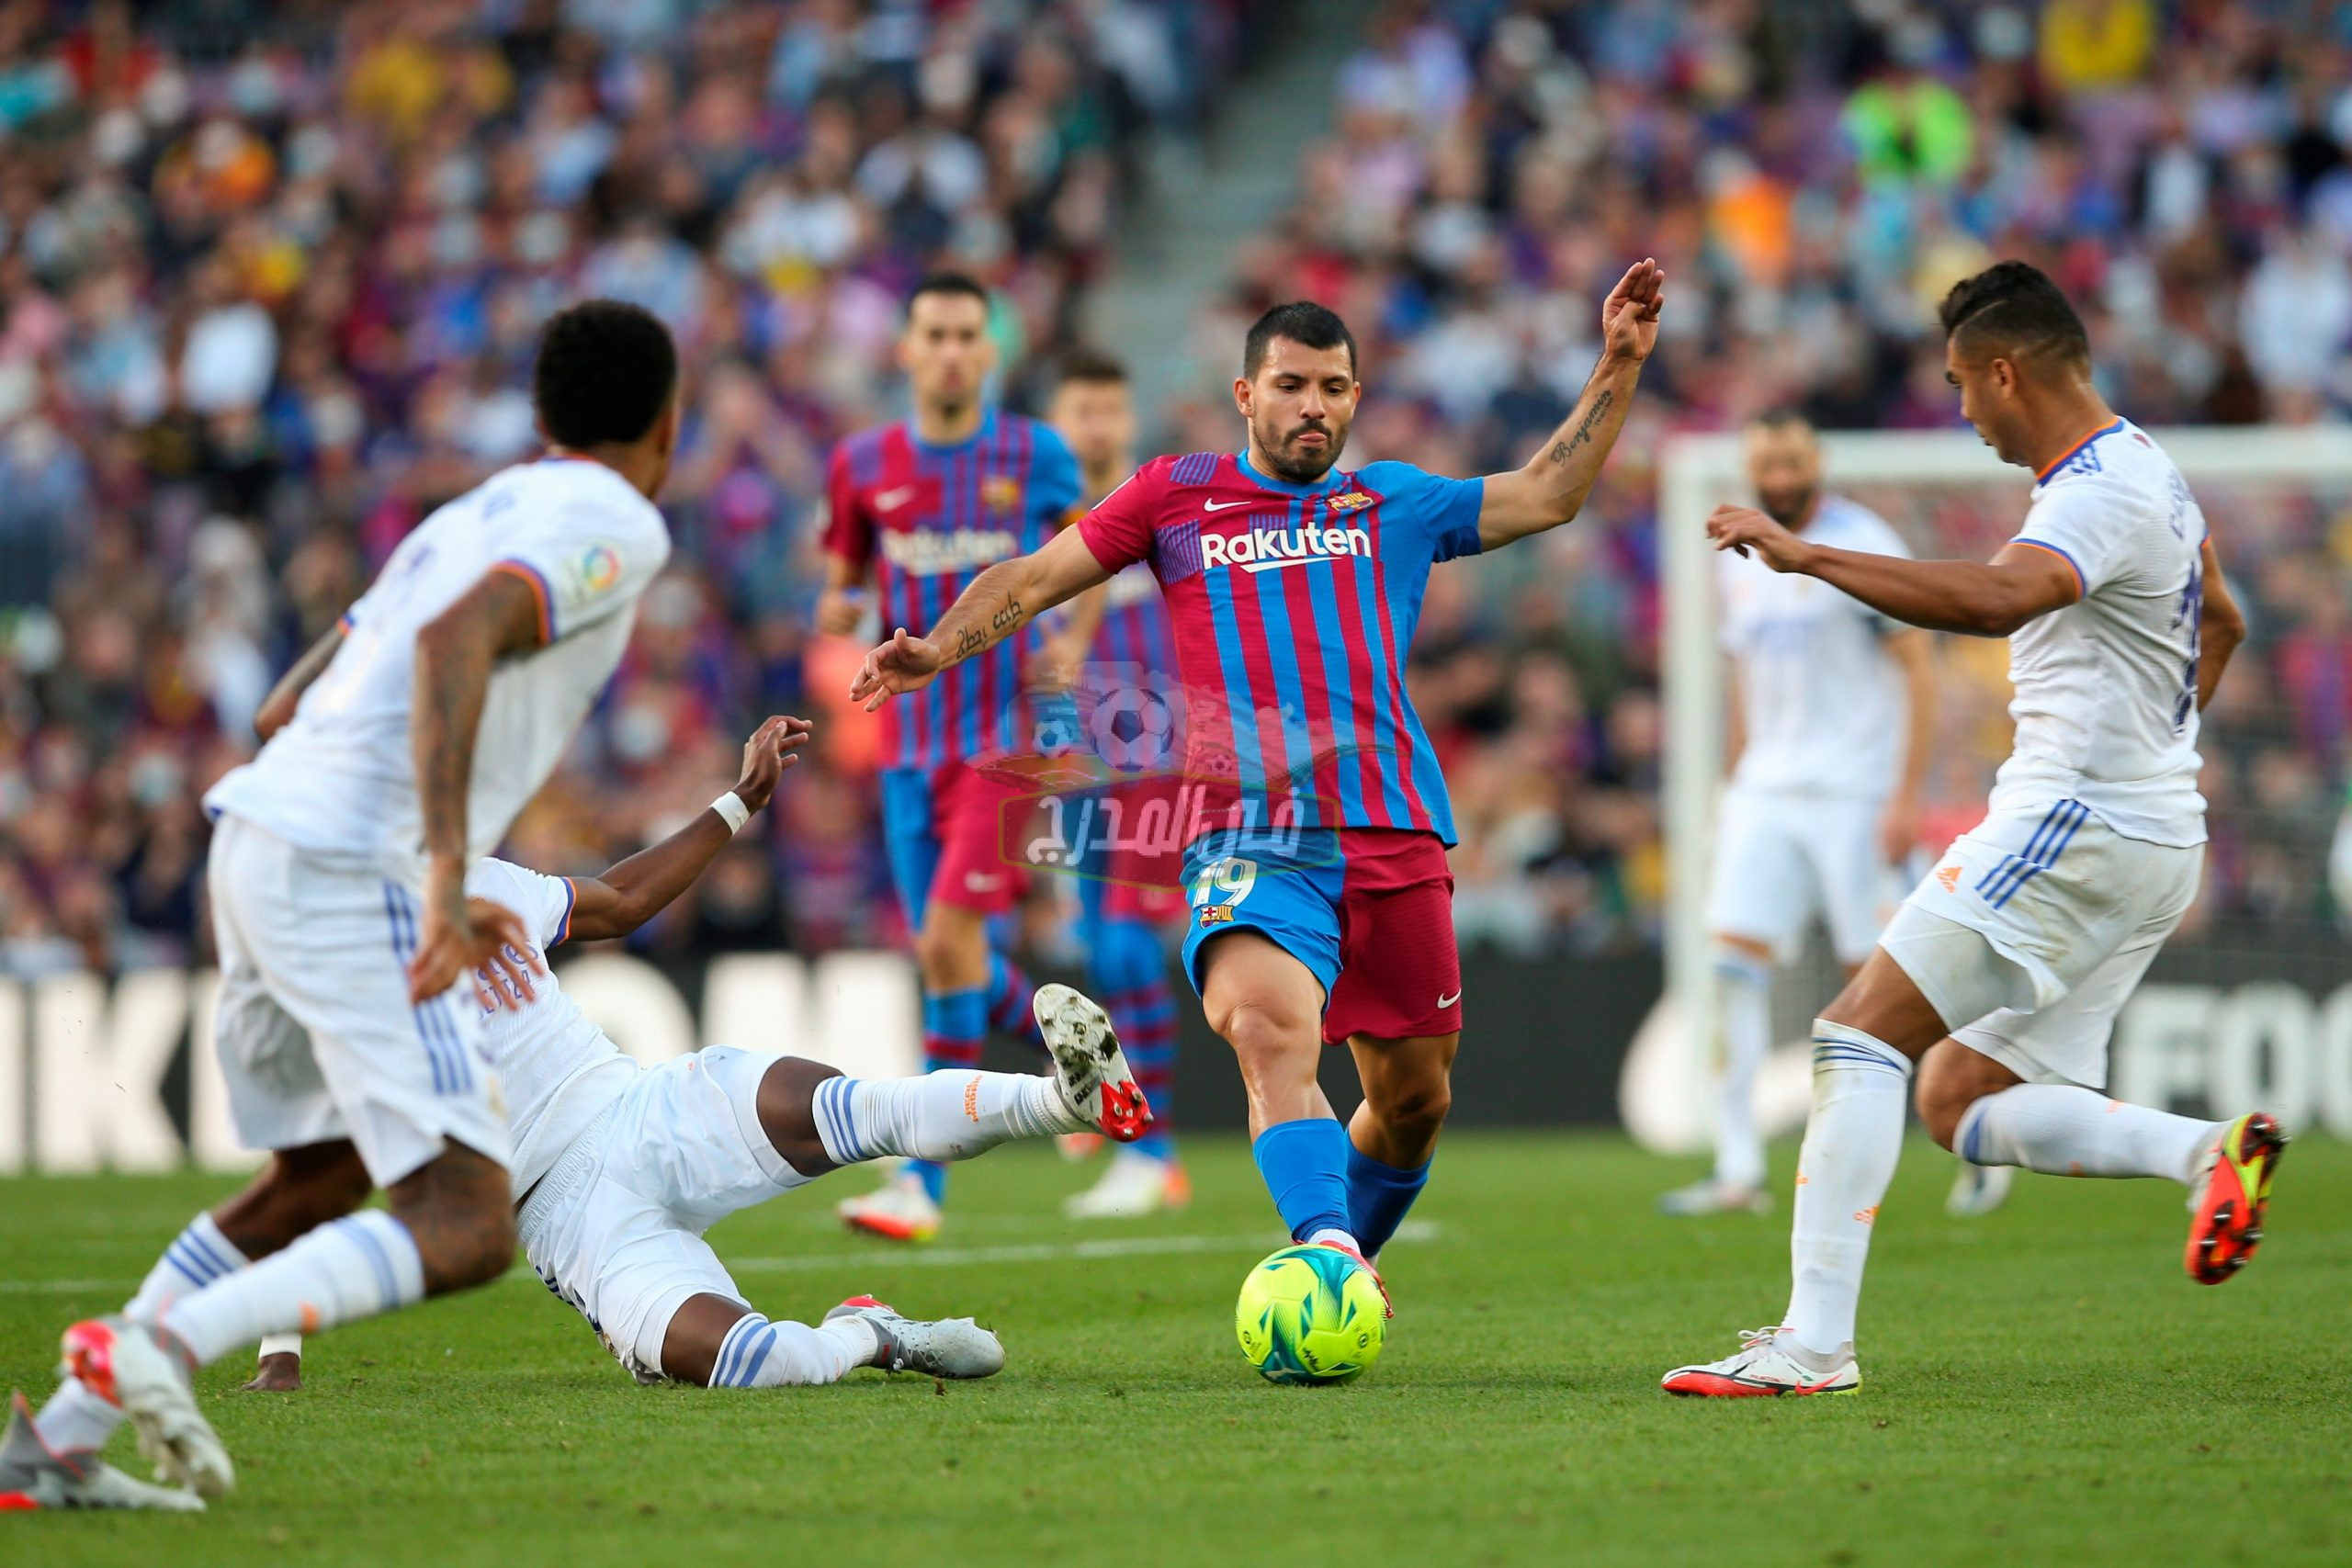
(1782, 858)
(2033, 931)
(615, 1225)
(314, 1030)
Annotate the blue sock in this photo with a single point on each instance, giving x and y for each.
(1379, 1196)
(1305, 1164)
(1128, 969)
(954, 1025)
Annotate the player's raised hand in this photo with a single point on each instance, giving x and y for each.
(1629, 316)
(1747, 530)
(773, 748)
(905, 663)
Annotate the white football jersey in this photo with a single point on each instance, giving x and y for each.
(2105, 702)
(558, 1070)
(339, 780)
(1820, 704)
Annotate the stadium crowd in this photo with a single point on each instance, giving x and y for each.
(270, 276)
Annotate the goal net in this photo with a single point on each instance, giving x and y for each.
(2250, 1001)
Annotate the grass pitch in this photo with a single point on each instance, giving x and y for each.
(2042, 1386)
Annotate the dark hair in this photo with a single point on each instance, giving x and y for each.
(1303, 322)
(605, 370)
(1090, 367)
(948, 283)
(2013, 310)
(1782, 418)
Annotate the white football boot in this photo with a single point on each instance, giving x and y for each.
(900, 1209)
(34, 1477)
(1978, 1189)
(1092, 1071)
(125, 1364)
(1133, 1185)
(1708, 1196)
(1769, 1361)
(950, 1347)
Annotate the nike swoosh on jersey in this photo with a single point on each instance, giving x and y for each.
(1222, 505)
(891, 500)
(1448, 1001)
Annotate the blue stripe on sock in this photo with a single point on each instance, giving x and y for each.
(1973, 1139)
(207, 1252)
(755, 1358)
(386, 1282)
(178, 1258)
(838, 1110)
(731, 1350)
(726, 1344)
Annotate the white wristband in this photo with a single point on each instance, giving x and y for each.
(732, 807)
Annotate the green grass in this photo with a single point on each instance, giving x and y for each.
(2044, 1386)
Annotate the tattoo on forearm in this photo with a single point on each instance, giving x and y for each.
(1008, 618)
(972, 640)
(1583, 437)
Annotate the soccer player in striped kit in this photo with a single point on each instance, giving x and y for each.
(917, 508)
(1321, 896)
(1130, 898)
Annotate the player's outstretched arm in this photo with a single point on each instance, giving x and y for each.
(1551, 488)
(1976, 598)
(998, 604)
(277, 709)
(642, 886)
(454, 654)
(2220, 625)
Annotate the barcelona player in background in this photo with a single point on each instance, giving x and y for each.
(1130, 895)
(918, 510)
(1321, 897)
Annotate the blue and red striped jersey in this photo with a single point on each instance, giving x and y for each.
(1293, 607)
(1134, 623)
(929, 520)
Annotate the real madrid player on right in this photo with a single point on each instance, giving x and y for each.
(2001, 976)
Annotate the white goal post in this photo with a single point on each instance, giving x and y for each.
(1695, 474)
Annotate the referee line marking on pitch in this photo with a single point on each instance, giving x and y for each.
(1412, 1231)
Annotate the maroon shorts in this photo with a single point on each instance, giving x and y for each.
(1368, 910)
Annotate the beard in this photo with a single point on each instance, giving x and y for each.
(1294, 464)
(1788, 508)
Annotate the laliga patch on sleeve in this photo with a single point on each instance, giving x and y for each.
(594, 570)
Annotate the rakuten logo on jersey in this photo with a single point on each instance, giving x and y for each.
(927, 552)
(1263, 549)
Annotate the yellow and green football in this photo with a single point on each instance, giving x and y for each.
(1310, 1314)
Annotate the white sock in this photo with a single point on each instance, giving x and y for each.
(198, 1256)
(2060, 1130)
(343, 1271)
(278, 1345)
(1851, 1143)
(75, 1418)
(952, 1113)
(759, 1354)
(1743, 997)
